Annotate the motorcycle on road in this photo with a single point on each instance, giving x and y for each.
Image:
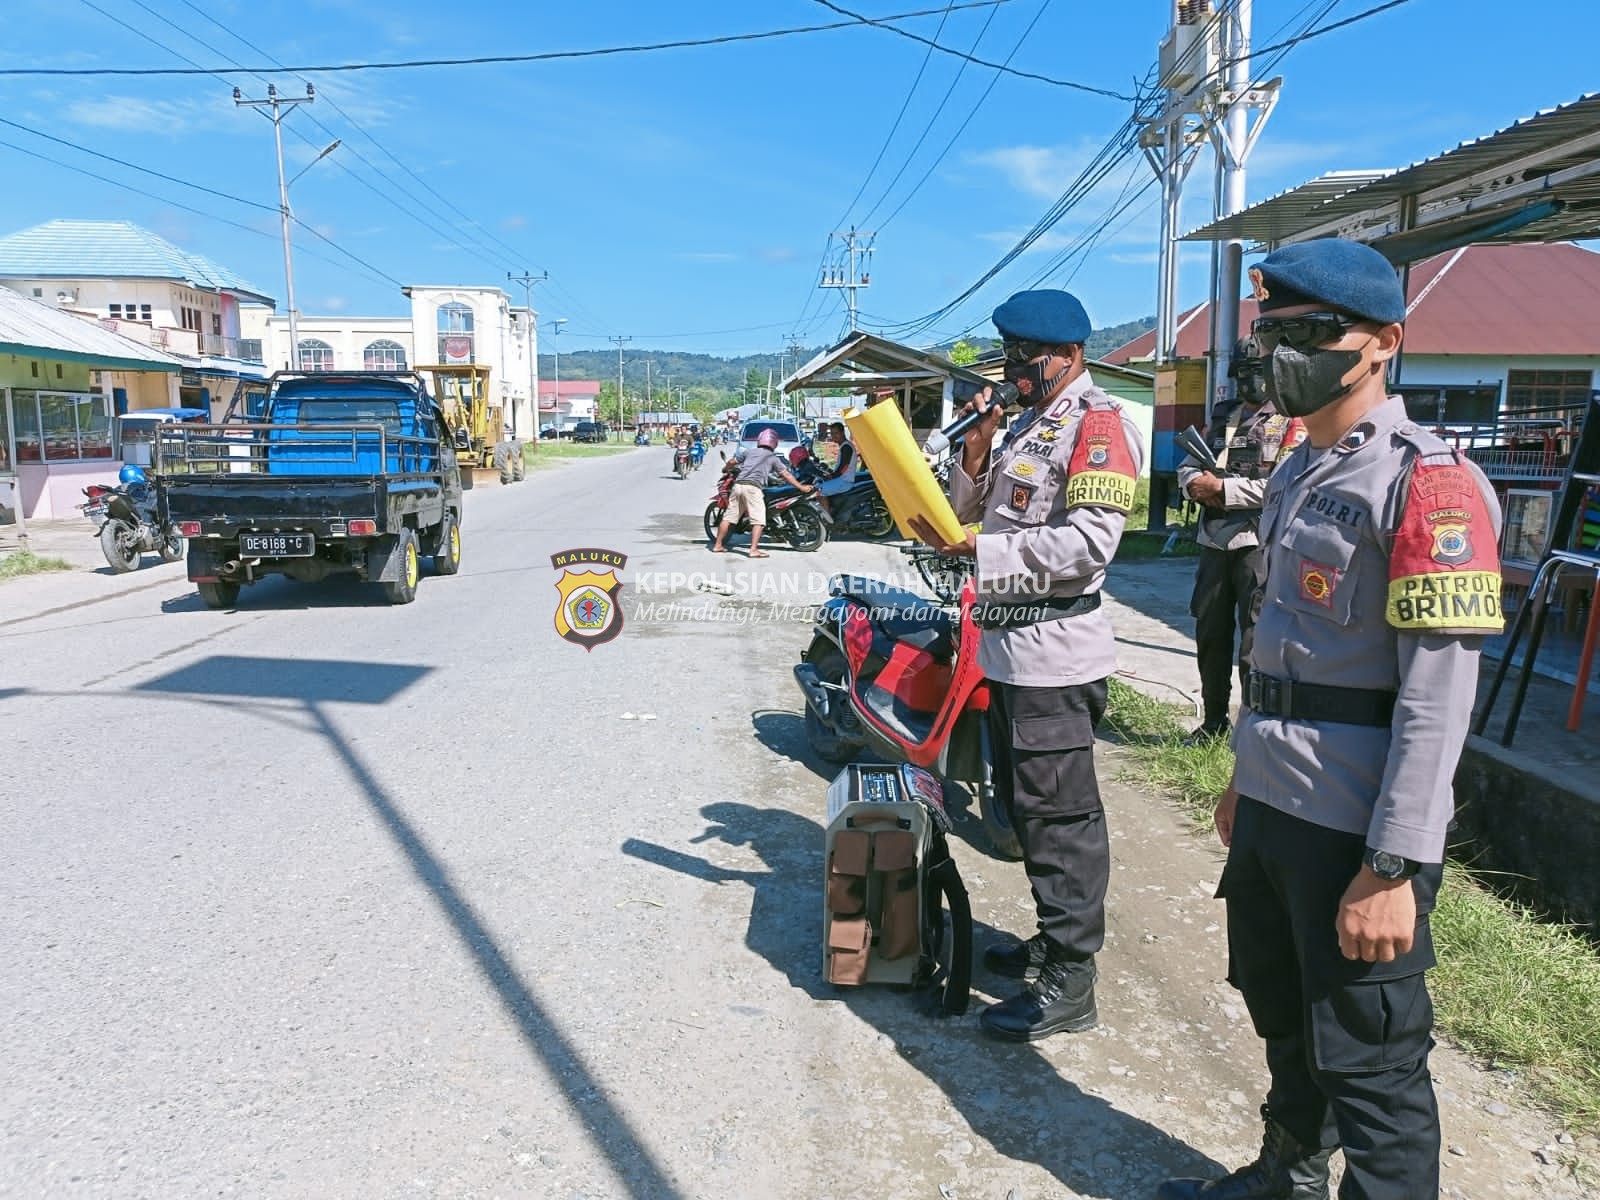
(126, 523)
(894, 673)
(682, 461)
(858, 509)
(792, 517)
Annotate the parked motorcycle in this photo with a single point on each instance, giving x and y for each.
(126, 524)
(858, 509)
(891, 672)
(792, 517)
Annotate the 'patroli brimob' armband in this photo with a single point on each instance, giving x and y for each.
(1444, 573)
(1101, 472)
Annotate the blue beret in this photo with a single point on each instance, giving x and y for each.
(1050, 317)
(1349, 276)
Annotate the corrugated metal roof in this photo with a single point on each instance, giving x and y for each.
(28, 326)
(111, 250)
(1528, 301)
(1371, 209)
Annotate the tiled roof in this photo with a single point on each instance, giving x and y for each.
(28, 326)
(1533, 300)
(110, 250)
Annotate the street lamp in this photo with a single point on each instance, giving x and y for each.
(277, 104)
(555, 345)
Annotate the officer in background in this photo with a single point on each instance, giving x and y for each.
(1053, 504)
(1382, 580)
(1247, 436)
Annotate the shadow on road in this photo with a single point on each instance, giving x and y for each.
(1010, 1095)
(314, 684)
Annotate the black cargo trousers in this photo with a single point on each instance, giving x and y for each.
(1347, 1042)
(1225, 586)
(1043, 740)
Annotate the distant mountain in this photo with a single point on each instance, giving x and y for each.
(710, 374)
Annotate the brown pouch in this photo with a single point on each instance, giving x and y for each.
(847, 872)
(894, 857)
(849, 941)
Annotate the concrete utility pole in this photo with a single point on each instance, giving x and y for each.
(621, 342)
(278, 103)
(555, 348)
(649, 394)
(794, 357)
(527, 281)
(1235, 136)
(1205, 71)
(843, 274)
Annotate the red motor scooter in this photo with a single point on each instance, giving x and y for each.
(893, 672)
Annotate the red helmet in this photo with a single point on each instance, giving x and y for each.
(767, 439)
(797, 455)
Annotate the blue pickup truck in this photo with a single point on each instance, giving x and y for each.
(346, 473)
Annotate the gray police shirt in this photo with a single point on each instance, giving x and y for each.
(1053, 501)
(1248, 444)
(1382, 573)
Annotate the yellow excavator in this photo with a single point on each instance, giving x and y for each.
(462, 393)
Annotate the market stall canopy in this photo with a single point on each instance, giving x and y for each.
(33, 330)
(863, 362)
(1535, 181)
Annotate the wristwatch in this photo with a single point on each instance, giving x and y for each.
(1390, 866)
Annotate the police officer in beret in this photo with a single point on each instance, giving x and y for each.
(1382, 580)
(1247, 436)
(1053, 502)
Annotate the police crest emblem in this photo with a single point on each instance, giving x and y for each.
(588, 613)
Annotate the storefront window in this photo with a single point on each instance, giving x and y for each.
(25, 412)
(61, 427)
(7, 466)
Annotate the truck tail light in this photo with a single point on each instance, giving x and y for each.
(363, 528)
(189, 528)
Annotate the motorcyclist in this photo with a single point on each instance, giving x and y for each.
(843, 475)
(755, 468)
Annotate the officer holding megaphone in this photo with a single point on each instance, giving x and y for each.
(1053, 503)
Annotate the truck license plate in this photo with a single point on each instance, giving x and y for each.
(277, 545)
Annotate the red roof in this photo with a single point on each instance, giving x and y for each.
(570, 389)
(1531, 300)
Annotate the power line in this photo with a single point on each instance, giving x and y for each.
(882, 23)
(493, 59)
(123, 185)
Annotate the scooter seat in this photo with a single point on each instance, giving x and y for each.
(904, 616)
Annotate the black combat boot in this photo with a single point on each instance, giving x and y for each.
(1286, 1170)
(1060, 1000)
(1212, 729)
(1020, 960)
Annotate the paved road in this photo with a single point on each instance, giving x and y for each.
(323, 898)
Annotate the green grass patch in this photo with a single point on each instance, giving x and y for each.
(564, 451)
(1518, 992)
(24, 562)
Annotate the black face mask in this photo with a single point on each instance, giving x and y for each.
(1300, 382)
(1030, 380)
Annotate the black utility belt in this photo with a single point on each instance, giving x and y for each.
(1269, 696)
(1015, 616)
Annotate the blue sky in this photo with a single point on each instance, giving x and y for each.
(684, 197)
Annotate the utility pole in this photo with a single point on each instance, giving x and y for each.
(843, 274)
(794, 357)
(1235, 136)
(649, 394)
(527, 281)
(555, 347)
(278, 103)
(621, 342)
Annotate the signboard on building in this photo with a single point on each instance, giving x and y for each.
(457, 349)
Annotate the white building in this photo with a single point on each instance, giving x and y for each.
(447, 325)
(140, 285)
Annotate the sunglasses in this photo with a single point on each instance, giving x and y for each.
(1303, 333)
(1024, 352)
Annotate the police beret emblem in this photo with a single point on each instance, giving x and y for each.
(1451, 545)
(1259, 285)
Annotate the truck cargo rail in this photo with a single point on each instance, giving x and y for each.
(293, 451)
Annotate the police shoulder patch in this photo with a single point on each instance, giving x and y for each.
(1444, 568)
(1101, 471)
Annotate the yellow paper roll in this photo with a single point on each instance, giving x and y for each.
(898, 468)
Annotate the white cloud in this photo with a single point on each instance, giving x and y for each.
(514, 222)
(128, 114)
(335, 303)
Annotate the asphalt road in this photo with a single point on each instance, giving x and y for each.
(324, 898)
